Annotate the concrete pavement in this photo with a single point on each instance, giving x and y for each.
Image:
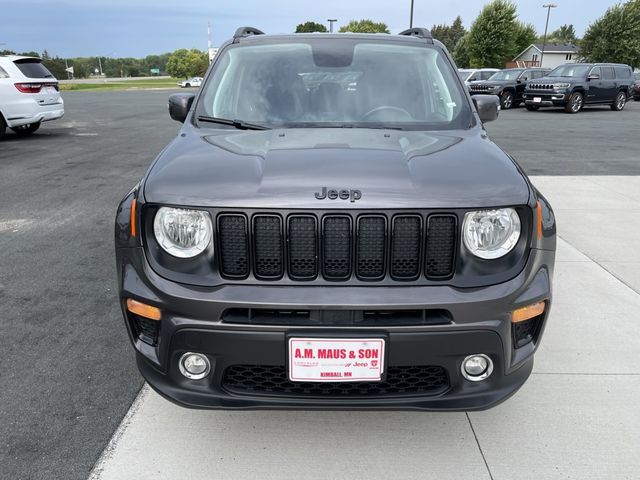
(576, 417)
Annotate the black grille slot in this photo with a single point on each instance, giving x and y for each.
(234, 248)
(145, 329)
(441, 241)
(525, 332)
(303, 247)
(405, 247)
(267, 233)
(272, 380)
(336, 254)
(372, 237)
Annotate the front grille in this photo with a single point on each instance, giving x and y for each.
(481, 88)
(337, 246)
(539, 86)
(273, 380)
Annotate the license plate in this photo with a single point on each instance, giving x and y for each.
(336, 360)
(537, 99)
(49, 90)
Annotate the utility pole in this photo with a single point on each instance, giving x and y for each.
(331, 22)
(100, 65)
(548, 6)
(411, 17)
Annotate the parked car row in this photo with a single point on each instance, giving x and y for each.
(570, 86)
(29, 95)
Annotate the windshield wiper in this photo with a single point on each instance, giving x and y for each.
(239, 124)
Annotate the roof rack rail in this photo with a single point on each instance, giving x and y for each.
(246, 31)
(417, 32)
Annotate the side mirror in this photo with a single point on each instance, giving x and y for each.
(472, 79)
(487, 106)
(593, 76)
(179, 105)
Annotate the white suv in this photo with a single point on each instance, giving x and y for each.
(29, 95)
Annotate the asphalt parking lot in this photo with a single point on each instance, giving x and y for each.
(67, 376)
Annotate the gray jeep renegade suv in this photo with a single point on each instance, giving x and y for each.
(333, 228)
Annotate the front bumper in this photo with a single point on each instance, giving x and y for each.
(547, 99)
(192, 321)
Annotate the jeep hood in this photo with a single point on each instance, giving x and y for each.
(285, 168)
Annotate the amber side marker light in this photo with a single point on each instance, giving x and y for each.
(132, 220)
(539, 209)
(144, 310)
(525, 313)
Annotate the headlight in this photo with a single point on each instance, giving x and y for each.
(491, 234)
(181, 232)
(561, 86)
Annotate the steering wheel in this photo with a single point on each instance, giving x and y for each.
(400, 113)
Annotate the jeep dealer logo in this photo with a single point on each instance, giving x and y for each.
(351, 195)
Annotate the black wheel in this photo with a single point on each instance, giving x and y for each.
(619, 102)
(3, 126)
(27, 129)
(575, 103)
(506, 100)
(533, 108)
(187, 85)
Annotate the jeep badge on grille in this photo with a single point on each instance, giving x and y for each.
(351, 195)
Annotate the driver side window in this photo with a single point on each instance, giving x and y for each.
(595, 71)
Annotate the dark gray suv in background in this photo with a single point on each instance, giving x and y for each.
(331, 229)
(574, 85)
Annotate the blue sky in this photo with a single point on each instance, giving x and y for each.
(136, 28)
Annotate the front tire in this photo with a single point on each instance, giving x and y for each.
(187, 85)
(506, 100)
(533, 108)
(620, 102)
(27, 129)
(575, 103)
(3, 126)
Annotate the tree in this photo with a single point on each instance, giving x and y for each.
(494, 35)
(185, 63)
(461, 52)
(565, 35)
(456, 32)
(525, 35)
(310, 27)
(365, 26)
(450, 35)
(614, 37)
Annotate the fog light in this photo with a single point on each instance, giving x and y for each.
(194, 366)
(476, 367)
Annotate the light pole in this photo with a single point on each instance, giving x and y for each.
(411, 17)
(331, 22)
(548, 6)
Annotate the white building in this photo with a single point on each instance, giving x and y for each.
(554, 55)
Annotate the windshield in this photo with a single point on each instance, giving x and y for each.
(335, 82)
(570, 71)
(464, 74)
(506, 75)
